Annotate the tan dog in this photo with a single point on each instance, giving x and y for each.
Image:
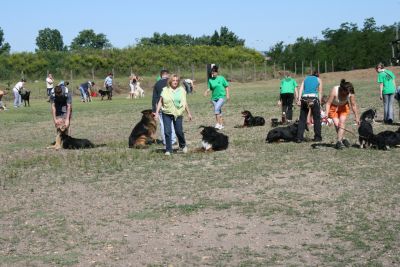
(61, 129)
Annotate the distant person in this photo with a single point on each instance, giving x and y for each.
(17, 90)
(219, 88)
(310, 94)
(2, 105)
(49, 85)
(132, 84)
(288, 92)
(85, 90)
(341, 99)
(387, 88)
(157, 90)
(172, 104)
(108, 84)
(189, 85)
(61, 109)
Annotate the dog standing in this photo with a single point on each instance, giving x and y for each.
(212, 140)
(144, 131)
(104, 93)
(25, 95)
(250, 120)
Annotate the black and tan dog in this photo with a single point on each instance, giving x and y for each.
(25, 95)
(212, 140)
(386, 139)
(63, 140)
(365, 131)
(287, 133)
(144, 132)
(250, 120)
(104, 93)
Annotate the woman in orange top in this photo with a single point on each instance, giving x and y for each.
(341, 99)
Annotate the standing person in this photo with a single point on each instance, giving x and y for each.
(189, 85)
(387, 88)
(16, 90)
(341, 99)
(172, 104)
(288, 92)
(157, 89)
(49, 85)
(108, 84)
(85, 89)
(309, 97)
(61, 111)
(220, 94)
(132, 85)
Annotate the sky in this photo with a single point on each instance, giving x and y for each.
(262, 23)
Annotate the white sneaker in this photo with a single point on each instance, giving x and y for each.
(185, 150)
(167, 153)
(217, 126)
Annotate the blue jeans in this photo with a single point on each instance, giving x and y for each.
(388, 113)
(83, 94)
(178, 126)
(218, 105)
(173, 135)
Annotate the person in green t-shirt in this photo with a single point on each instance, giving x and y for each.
(288, 91)
(220, 94)
(387, 88)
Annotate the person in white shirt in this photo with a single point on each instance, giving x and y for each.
(16, 90)
(49, 85)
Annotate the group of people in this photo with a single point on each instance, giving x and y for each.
(338, 104)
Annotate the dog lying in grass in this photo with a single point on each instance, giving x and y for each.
(212, 140)
(144, 132)
(365, 131)
(386, 139)
(250, 120)
(287, 133)
(63, 140)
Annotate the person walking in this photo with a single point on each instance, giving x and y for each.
(288, 92)
(19, 86)
(157, 90)
(310, 94)
(341, 99)
(172, 104)
(219, 87)
(387, 88)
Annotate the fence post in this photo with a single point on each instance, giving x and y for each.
(318, 66)
(265, 70)
(326, 69)
(242, 72)
(311, 67)
(71, 80)
(113, 73)
(92, 74)
(192, 67)
(333, 69)
(284, 67)
(295, 68)
(302, 68)
(273, 74)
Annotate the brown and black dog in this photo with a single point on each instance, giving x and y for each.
(250, 120)
(63, 140)
(144, 132)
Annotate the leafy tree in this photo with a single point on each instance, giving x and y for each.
(49, 40)
(228, 38)
(4, 47)
(88, 39)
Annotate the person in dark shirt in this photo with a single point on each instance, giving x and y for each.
(61, 109)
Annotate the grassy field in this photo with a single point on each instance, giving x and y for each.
(255, 204)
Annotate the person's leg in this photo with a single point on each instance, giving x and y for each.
(390, 108)
(218, 111)
(167, 120)
(284, 103)
(385, 108)
(316, 114)
(302, 122)
(178, 125)
(289, 103)
(16, 97)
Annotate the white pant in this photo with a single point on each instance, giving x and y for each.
(17, 98)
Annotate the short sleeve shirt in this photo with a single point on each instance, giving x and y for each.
(217, 86)
(387, 78)
(288, 85)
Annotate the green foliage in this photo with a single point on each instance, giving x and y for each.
(4, 47)
(224, 38)
(49, 40)
(349, 47)
(88, 39)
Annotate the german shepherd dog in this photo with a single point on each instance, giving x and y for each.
(365, 131)
(104, 93)
(144, 132)
(63, 140)
(250, 120)
(212, 140)
(25, 96)
(287, 133)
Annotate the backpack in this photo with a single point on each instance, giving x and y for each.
(397, 94)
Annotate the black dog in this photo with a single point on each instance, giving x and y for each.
(287, 133)
(213, 140)
(386, 139)
(104, 93)
(365, 131)
(25, 96)
(69, 142)
(250, 120)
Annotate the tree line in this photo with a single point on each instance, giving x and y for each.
(349, 47)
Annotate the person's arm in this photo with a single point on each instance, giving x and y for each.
(300, 93)
(53, 113)
(380, 91)
(228, 96)
(157, 111)
(188, 112)
(68, 115)
(354, 108)
(154, 99)
(320, 90)
(329, 101)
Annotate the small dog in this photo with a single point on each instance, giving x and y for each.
(144, 132)
(63, 140)
(212, 140)
(104, 93)
(250, 120)
(365, 131)
(139, 92)
(25, 95)
(287, 133)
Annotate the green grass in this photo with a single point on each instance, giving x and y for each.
(255, 204)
